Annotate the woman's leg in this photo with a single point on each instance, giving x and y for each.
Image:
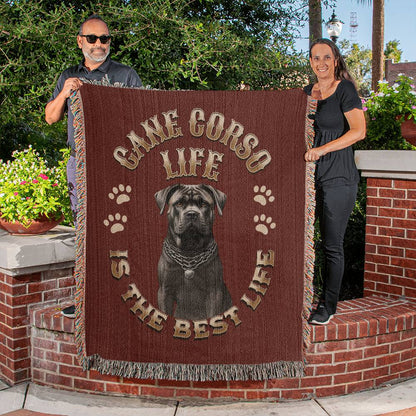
(334, 207)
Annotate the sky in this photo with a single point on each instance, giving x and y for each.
(399, 24)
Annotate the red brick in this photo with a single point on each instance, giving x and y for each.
(371, 211)
(330, 391)
(347, 378)
(58, 380)
(391, 232)
(390, 251)
(296, 394)
(261, 395)
(220, 384)
(360, 365)
(375, 351)
(45, 344)
(379, 202)
(371, 249)
(392, 193)
(407, 263)
(318, 358)
(405, 184)
(401, 223)
(346, 356)
(283, 383)
(72, 371)
(375, 373)
(397, 271)
(404, 242)
(411, 214)
(321, 370)
(404, 203)
(125, 389)
(411, 194)
(362, 343)
(392, 213)
(388, 359)
(410, 293)
(27, 299)
(390, 289)
(401, 346)
(411, 254)
(381, 221)
(331, 346)
(88, 385)
(315, 381)
(401, 366)
(378, 240)
(379, 183)
(45, 365)
(359, 386)
(249, 384)
(374, 258)
(371, 230)
(67, 348)
(35, 287)
(227, 393)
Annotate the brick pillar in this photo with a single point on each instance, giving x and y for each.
(390, 259)
(390, 253)
(34, 271)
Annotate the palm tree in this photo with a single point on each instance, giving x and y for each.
(377, 42)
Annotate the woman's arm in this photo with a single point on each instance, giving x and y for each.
(357, 131)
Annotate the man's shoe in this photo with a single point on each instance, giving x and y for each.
(320, 316)
(69, 312)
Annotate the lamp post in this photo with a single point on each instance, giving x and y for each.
(334, 27)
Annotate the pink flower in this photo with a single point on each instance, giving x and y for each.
(16, 193)
(365, 108)
(54, 184)
(23, 183)
(35, 181)
(28, 197)
(43, 176)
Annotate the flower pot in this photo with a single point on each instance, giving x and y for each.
(38, 226)
(408, 130)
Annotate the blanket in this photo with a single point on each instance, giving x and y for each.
(194, 237)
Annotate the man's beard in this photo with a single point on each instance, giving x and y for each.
(97, 59)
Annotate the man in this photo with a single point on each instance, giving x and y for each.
(94, 40)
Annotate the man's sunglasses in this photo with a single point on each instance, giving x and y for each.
(93, 38)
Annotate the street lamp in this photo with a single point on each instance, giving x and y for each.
(334, 27)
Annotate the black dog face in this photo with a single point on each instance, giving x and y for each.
(190, 213)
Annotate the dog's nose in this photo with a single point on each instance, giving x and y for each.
(192, 215)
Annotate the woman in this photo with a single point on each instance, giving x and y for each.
(339, 123)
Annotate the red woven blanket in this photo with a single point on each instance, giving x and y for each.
(191, 233)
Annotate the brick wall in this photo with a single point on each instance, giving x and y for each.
(393, 70)
(370, 342)
(18, 295)
(390, 259)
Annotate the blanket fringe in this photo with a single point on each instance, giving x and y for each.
(195, 372)
(309, 222)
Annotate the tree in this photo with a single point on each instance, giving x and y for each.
(392, 51)
(315, 20)
(173, 44)
(358, 60)
(377, 42)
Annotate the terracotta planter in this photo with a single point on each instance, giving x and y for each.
(39, 226)
(408, 130)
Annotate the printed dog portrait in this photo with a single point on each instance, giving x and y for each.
(190, 272)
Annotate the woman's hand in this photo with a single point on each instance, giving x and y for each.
(312, 155)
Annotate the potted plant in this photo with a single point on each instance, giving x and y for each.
(33, 195)
(396, 103)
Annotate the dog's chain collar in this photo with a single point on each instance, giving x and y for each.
(189, 264)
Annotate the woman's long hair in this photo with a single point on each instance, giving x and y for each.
(341, 70)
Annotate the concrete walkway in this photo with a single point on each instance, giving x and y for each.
(33, 400)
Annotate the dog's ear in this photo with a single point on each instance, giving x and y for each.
(162, 196)
(219, 197)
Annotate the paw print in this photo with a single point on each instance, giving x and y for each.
(264, 224)
(118, 225)
(121, 194)
(263, 195)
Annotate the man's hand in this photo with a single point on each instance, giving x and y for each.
(71, 85)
